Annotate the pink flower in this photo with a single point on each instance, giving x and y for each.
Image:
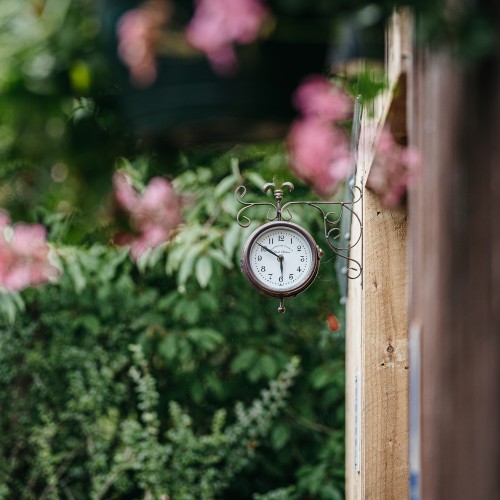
(218, 24)
(138, 32)
(319, 150)
(320, 154)
(152, 216)
(24, 256)
(4, 220)
(393, 169)
(317, 97)
(125, 194)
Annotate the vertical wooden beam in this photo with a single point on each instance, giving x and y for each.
(354, 318)
(384, 352)
(455, 278)
(376, 344)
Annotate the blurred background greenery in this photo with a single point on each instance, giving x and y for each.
(122, 380)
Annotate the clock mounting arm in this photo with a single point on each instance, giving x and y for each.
(332, 213)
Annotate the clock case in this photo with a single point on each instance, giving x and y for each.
(256, 283)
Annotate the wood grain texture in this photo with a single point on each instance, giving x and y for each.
(385, 353)
(354, 318)
(455, 278)
(376, 342)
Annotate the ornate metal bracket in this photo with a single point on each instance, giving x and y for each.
(331, 219)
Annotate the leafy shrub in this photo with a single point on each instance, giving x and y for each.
(81, 414)
(84, 416)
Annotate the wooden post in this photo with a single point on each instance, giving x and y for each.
(377, 367)
(455, 278)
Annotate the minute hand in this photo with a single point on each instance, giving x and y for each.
(270, 251)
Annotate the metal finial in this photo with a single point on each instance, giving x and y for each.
(278, 188)
(282, 308)
(278, 192)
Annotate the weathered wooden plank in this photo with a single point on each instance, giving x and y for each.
(455, 223)
(384, 351)
(354, 317)
(376, 343)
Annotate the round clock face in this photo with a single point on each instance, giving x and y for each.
(280, 259)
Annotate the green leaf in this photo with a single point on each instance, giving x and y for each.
(156, 255)
(203, 270)
(232, 239)
(90, 323)
(8, 307)
(197, 391)
(109, 269)
(75, 272)
(184, 349)
(143, 261)
(224, 185)
(220, 257)
(280, 436)
(174, 260)
(256, 179)
(255, 372)
(207, 338)
(150, 257)
(168, 347)
(18, 300)
(186, 310)
(269, 365)
(215, 384)
(320, 377)
(244, 360)
(186, 268)
(168, 301)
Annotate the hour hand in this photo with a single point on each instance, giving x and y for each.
(270, 251)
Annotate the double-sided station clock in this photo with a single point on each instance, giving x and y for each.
(280, 259)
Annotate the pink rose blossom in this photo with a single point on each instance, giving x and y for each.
(138, 32)
(317, 97)
(218, 24)
(393, 169)
(125, 194)
(152, 216)
(24, 256)
(319, 149)
(320, 154)
(4, 220)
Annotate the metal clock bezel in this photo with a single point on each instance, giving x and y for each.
(257, 283)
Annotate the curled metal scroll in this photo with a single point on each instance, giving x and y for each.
(240, 193)
(331, 220)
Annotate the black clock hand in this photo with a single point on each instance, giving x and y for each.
(270, 251)
(281, 265)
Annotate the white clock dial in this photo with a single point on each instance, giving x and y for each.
(280, 259)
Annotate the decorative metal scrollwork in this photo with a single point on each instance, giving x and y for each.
(332, 219)
(241, 191)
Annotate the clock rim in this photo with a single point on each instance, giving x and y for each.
(252, 278)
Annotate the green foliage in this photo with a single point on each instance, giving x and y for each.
(366, 85)
(185, 465)
(82, 414)
(122, 380)
(81, 407)
(60, 129)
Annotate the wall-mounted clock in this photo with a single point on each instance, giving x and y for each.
(280, 259)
